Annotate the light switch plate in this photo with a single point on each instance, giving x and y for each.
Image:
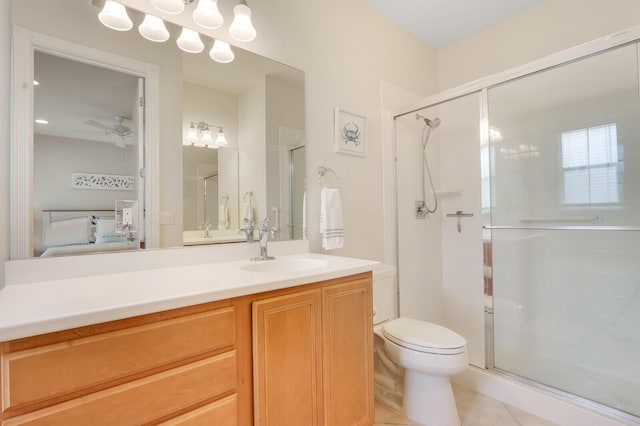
(166, 218)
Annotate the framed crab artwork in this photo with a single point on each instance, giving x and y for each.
(351, 133)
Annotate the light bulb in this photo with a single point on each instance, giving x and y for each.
(220, 139)
(172, 7)
(114, 15)
(221, 52)
(206, 137)
(190, 42)
(207, 14)
(192, 135)
(153, 29)
(241, 28)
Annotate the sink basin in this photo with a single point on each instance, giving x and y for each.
(285, 265)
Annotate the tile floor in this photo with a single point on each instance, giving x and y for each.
(474, 409)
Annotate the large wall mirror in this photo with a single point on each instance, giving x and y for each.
(129, 121)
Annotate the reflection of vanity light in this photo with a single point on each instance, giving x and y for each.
(172, 7)
(114, 16)
(220, 139)
(221, 52)
(241, 28)
(189, 41)
(206, 137)
(153, 29)
(192, 135)
(199, 134)
(41, 121)
(207, 14)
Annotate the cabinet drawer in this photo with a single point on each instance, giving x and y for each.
(219, 413)
(55, 370)
(142, 400)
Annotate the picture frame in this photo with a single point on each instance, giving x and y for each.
(350, 133)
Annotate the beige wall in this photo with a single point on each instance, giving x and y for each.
(550, 27)
(345, 48)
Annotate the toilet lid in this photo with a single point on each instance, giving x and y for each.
(423, 336)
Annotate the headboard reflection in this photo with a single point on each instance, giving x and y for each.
(68, 232)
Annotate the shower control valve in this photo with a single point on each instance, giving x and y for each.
(421, 209)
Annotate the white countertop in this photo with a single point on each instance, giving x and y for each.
(45, 306)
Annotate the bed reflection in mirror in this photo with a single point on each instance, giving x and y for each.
(86, 156)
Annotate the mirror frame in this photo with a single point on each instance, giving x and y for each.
(24, 44)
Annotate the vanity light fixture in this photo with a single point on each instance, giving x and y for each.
(172, 7)
(41, 121)
(220, 139)
(241, 28)
(221, 52)
(114, 15)
(199, 135)
(192, 135)
(153, 29)
(207, 14)
(189, 41)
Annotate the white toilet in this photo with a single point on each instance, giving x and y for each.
(428, 353)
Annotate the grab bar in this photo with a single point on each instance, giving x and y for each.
(589, 218)
(563, 228)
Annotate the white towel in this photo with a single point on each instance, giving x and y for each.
(304, 215)
(223, 216)
(331, 227)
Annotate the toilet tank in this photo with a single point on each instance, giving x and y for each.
(384, 293)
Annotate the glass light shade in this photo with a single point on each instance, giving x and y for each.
(199, 145)
(206, 137)
(114, 15)
(192, 135)
(186, 143)
(207, 14)
(221, 52)
(212, 146)
(190, 42)
(153, 29)
(241, 28)
(220, 139)
(172, 7)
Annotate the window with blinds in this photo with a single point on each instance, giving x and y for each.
(590, 165)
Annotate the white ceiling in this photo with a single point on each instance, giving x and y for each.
(443, 22)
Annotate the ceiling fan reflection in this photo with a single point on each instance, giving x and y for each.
(118, 129)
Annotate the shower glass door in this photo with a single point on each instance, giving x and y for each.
(564, 203)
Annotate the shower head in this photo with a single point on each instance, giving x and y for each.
(431, 123)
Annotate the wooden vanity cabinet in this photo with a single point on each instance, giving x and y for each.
(142, 370)
(296, 356)
(313, 356)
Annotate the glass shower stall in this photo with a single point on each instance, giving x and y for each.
(553, 182)
(563, 204)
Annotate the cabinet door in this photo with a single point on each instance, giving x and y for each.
(287, 348)
(347, 319)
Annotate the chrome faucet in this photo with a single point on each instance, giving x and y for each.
(206, 225)
(248, 230)
(264, 231)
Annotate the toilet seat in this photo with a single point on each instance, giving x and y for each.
(424, 337)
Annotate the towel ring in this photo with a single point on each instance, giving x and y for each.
(224, 199)
(250, 194)
(322, 171)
